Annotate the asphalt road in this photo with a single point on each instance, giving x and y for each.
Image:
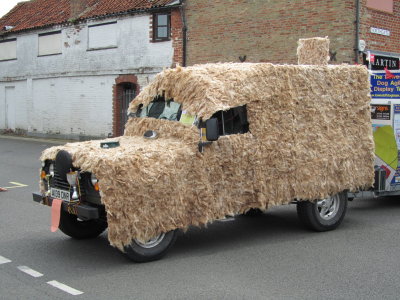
(265, 257)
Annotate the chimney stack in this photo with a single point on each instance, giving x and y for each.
(77, 8)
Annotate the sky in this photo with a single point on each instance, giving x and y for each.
(6, 5)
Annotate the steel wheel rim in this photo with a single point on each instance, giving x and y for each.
(152, 242)
(327, 208)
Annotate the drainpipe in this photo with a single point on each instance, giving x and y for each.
(184, 32)
(357, 30)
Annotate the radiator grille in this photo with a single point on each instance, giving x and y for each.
(59, 183)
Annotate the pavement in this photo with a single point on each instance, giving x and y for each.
(36, 139)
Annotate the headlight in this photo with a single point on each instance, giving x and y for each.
(95, 182)
(93, 179)
(51, 170)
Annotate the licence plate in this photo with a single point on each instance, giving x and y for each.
(60, 194)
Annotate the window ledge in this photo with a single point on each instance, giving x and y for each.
(9, 59)
(381, 10)
(159, 41)
(102, 48)
(53, 54)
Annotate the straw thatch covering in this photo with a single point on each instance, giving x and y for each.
(310, 137)
(313, 51)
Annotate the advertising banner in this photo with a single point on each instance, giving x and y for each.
(396, 128)
(384, 88)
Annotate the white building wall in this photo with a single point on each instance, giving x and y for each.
(74, 106)
(17, 110)
(70, 94)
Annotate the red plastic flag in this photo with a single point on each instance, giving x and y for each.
(388, 74)
(55, 214)
(372, 58)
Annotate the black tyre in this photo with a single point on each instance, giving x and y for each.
(325, 214)
(153, 249)
(78, 229)
(253, 212)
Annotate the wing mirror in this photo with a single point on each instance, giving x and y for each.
(212, 130)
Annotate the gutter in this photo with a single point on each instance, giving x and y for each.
(356, 50)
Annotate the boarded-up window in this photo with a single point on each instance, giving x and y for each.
(103, 36)
(382, 5)
(50, 43)
(8, 49)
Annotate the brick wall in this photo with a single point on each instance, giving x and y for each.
(373, 18)
(266, 30)
(177, 36)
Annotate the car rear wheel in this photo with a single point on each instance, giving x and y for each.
(72, 226)
(153, 249)
(325, 214)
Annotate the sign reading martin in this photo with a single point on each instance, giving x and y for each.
(382, 62)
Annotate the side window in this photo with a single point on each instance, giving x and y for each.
(232, 121)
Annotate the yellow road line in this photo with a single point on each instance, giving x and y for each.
(16, 185)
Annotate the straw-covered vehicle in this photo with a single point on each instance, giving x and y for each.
(216, 140)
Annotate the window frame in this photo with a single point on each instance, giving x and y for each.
(47, 34)
(102, 47)
(156, 38)
(8, 41)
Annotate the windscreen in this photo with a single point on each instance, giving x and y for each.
(168, 110)
(161, 109)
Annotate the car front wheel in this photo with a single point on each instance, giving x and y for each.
(153, 249)
(72, 226)
(325, 214)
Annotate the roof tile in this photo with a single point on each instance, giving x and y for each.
(41, 13)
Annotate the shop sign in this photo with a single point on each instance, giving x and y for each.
(379, 62)
(380, 112)
(381, 87)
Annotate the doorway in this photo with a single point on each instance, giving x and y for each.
(126, 88)
(127, 95)
(10, 108)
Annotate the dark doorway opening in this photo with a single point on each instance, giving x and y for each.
(126, 95)
(125, 89)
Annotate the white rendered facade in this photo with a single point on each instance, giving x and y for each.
(61, 82)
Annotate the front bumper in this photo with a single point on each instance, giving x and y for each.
(83, 211)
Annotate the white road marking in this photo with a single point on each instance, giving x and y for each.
(4, 260)
(36, 274)
(65, 288)
(30, 271)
